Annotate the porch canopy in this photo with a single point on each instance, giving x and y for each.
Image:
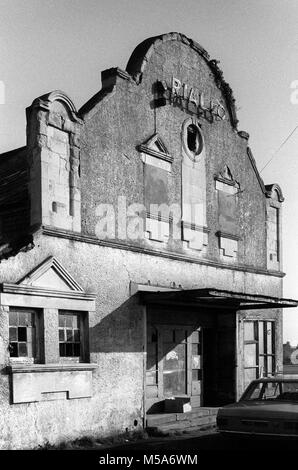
(214, 298)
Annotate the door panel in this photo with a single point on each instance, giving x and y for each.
(174, 364)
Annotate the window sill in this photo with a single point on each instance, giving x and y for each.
(78, 366)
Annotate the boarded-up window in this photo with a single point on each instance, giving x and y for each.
(273, 233)
(227, 210)
(58, 171)
(156, 186)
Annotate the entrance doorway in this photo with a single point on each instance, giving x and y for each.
(173, 364)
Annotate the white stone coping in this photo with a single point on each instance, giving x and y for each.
(42, 291)
(24, 368)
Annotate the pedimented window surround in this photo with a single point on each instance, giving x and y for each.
(154, 153)
(49, 288)
(194, 220)
(227, 190)
(225, 181)
(274, 226)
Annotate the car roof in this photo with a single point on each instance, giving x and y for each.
(277, 378)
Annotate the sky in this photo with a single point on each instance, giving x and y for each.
(65, 44)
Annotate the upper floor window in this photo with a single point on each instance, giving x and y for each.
(273, 226)
(23, 333)
(194, 139)
(273, 234)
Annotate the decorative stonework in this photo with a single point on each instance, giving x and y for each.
(194, 237)
(274, 192)
(194, 222)
(274, 226)
(142, 53)
(157, 229)
(197, 149)
(228, 245)
(224, 179)
(51, 273)
(48, 288)
(227, 198)
(53, 142)
(155, 153)
(40, 382)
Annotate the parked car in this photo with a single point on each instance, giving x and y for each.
(269, 406)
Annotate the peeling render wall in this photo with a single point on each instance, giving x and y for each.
(110, 160)
(116, 333)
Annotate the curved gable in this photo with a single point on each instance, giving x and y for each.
(142, 54)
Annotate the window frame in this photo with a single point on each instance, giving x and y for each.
(256, 340)
(199, 152)
(37, 336)
(276, 225)
(83, 335)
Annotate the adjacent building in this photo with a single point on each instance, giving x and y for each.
(141, 259)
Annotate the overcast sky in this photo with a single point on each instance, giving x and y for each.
(64, 44)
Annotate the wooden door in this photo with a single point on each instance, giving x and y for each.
(173, 363)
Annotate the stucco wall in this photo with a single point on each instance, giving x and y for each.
(116, 333)
(111, 165)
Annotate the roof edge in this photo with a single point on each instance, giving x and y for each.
(142, 53)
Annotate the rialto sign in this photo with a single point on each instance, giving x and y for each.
(189, 98)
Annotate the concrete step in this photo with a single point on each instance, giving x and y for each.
(162, 418)
(164, 424)
(155, 419)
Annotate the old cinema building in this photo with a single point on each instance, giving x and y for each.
(99, 332)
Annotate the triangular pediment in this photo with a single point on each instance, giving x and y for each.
(156, 143)
(226, 176)
(51, 275)
(156, 147)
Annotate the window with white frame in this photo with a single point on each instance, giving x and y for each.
(23, 333)
(71, 334)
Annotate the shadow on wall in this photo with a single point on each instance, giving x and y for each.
(122, 330)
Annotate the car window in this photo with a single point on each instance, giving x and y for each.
(270, 391)
(253, 392)
(289, 391)
(279, 391)
(290, 386)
